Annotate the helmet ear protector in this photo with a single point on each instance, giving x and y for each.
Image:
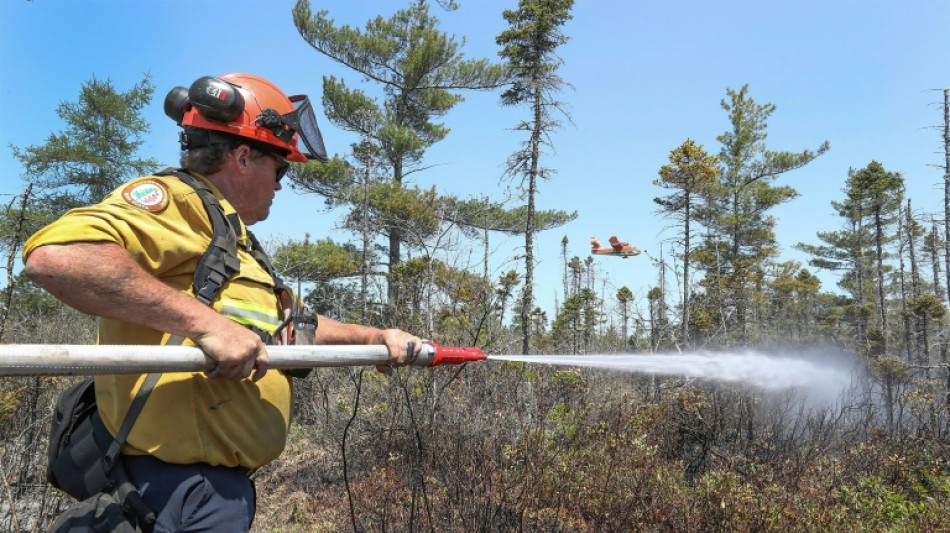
(221, 102)
(215, 99)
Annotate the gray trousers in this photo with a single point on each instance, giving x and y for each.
(195, 497)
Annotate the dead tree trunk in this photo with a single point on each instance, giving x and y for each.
(905, 312)
(11, 258)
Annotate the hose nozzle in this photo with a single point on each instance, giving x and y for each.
(433, 354)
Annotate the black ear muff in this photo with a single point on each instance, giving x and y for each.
(175, 103)
(215, 99)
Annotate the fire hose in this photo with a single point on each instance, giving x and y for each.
(70, 360)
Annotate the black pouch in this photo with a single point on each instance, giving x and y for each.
(100, 513)
(83, 461)
(74, 405)
(76, 455)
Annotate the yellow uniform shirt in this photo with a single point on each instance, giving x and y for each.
(188, 418)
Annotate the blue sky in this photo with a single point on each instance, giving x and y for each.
(865, 75)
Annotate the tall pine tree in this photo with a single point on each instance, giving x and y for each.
(742, 238)
(692, 173)
(878, 194)
(94, 154)
(419, 70)
(530, 47)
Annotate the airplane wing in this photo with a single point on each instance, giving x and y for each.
(617, 245)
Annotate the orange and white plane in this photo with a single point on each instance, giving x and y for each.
(617, 248)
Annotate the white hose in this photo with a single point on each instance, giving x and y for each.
(68, 360)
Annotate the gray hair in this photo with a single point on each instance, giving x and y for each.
(208, 159)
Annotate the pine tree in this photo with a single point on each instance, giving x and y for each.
(878, 195)
(624, 297)
(846, 252)
(315, 262)
(94, 154)
(504, 290)
(420, 71)
(692, 172)
(742, 238)
(530, 47)
(577, 320)
(791, 303)
(80, 164)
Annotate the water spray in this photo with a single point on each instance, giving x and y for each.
(738, 367)
(823, 380)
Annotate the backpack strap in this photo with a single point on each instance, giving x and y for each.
(138, 402)
(257, 252)
(135, 408)
(220, 261)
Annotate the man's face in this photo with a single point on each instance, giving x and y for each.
(257, 185)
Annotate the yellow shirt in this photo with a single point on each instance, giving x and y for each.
(188, 418)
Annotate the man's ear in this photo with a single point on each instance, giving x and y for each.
(241, 157)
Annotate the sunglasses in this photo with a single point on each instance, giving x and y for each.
(282, 165)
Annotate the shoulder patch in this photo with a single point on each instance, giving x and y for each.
(148, 194)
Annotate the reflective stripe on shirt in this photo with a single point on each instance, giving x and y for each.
(251, 314)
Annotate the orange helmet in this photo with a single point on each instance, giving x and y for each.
(250, 107)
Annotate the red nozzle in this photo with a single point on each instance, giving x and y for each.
(455, 355)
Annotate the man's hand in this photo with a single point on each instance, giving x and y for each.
(237, 351)
(397, 342)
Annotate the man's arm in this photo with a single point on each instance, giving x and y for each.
(330, 331)
(103, 279)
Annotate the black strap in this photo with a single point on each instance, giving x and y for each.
(257, 252)
(134, 409)
(131, 499)
(220, 261)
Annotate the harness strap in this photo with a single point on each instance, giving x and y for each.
(134, 409)
(257, 252)
(220, 261)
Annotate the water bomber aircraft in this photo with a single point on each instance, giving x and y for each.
(616, 248)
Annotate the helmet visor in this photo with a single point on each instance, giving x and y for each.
(304, 122)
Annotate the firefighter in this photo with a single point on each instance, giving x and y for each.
(133, 260)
